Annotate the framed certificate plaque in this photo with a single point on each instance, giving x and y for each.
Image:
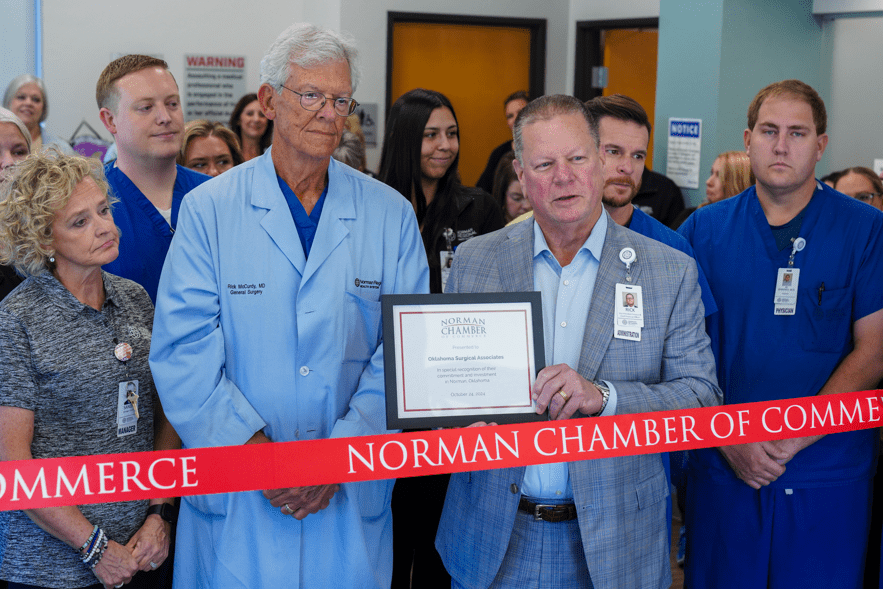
(454, 359)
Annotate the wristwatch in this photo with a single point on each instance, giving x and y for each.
(166, 511)
(605, 396)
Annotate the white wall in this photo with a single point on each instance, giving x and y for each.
(17, 44)
(81, 38)
(855, 122)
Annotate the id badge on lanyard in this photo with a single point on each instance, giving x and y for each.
(628, 303)
(446, 257)
(787, 281)
(127, 394)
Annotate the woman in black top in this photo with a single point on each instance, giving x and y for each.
(419, 159)
(421, 150)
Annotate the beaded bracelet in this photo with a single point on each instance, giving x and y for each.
(100, 554)
(94, 549)
(89, 540)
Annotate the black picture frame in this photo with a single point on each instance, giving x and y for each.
(392, 364)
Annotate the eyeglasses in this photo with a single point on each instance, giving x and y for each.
(343, 107)
(866, 196)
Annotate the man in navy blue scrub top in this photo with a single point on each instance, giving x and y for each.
(788, 513)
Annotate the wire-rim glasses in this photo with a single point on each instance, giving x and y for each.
(313, 101)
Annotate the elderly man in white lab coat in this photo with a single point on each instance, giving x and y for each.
(268, 329)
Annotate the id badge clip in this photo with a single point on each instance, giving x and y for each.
(787, 283)
(628, 303)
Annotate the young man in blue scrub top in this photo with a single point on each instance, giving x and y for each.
(140, 106)
(625, 136)
(796, 512)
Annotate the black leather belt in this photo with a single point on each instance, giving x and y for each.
(549, 513)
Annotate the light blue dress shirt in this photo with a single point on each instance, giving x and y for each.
(567, 295)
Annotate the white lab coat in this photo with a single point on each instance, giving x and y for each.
(251, 335)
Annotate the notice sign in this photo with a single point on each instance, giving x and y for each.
(213, 85)
(684, 145)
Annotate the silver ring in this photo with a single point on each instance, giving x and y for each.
(153, 565)
(288, 510)
(118, 586)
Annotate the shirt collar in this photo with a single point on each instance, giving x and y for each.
(65, 300)
(594, 244)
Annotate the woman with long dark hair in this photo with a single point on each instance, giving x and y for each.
(421, 150)
(419, 159)
(252, 128)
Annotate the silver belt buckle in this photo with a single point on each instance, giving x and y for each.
(536, 511)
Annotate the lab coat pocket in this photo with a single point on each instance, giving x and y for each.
(215, 504)
(361, 328)
(825, 319)
(374, 497)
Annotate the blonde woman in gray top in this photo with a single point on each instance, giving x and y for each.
(74, 377)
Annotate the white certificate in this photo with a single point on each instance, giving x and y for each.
(457, 359)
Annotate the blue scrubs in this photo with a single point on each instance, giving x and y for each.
(761, 356)
(251, 334)
(144, 233)
(649, 227)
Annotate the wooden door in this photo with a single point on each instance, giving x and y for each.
(630, 58)
(475, 66)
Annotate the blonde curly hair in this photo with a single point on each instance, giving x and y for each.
(36, 190)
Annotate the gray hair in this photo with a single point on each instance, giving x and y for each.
(307, 46)
(7, 116)
(351, 151)
(16, 84)
(548, 107)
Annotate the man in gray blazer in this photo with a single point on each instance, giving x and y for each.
(594, 523)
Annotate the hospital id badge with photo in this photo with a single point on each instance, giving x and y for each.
(127, 408)
(628, 307)
(628, 312)
(785, 300)
(445, 260)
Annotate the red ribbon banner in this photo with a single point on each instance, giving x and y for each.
(79, 480)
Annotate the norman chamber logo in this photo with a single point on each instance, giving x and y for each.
(463, 327)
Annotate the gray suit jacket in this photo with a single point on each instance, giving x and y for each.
(620, 501)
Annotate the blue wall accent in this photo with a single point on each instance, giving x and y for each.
(715, 56)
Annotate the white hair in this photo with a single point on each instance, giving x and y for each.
(548, 107)
(307, 46)
(16, 84)
(7, 116)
